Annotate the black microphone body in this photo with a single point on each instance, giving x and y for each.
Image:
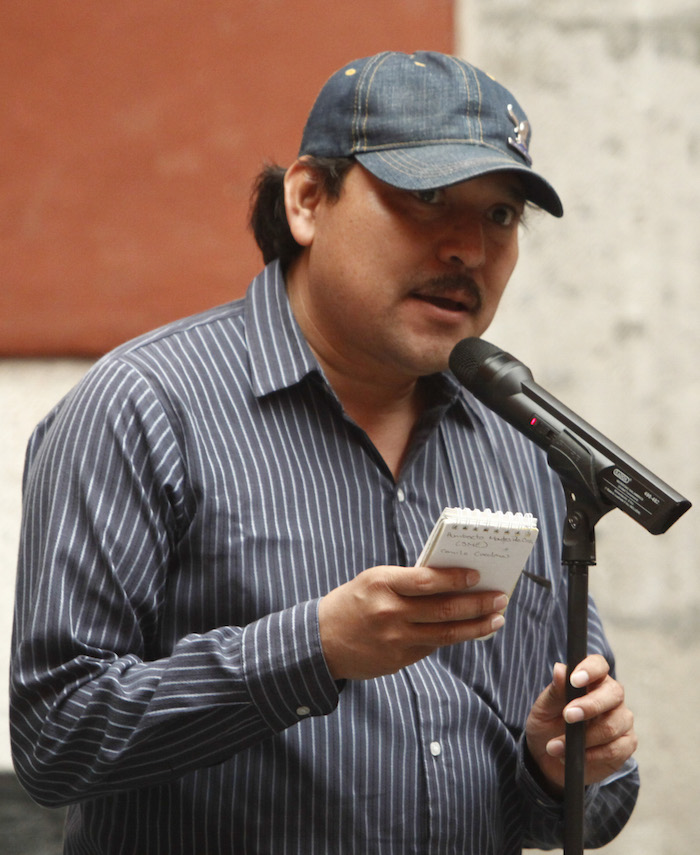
(575, 450)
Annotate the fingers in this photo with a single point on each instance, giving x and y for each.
(602, 692)
(444, 597)
(610, 739)
(593, 668)
(440, 609)
(609, 725)
(600, 731)
(605, 714)
(389, 617)
(605, 759)
(426, 581)
(605, 753)
(424, 595)
(592, 674)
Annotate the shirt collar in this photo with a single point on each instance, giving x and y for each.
(279, 354)
(451, 396)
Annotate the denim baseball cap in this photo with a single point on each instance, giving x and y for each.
(424, 120)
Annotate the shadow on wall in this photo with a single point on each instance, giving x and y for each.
(26, 828)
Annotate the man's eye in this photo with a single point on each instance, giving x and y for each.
(503, 215)
(430, 197)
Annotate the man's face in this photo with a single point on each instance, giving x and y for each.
(390, 280)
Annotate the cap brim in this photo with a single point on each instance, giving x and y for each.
(430, 166)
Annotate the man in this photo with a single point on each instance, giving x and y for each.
(222, 644)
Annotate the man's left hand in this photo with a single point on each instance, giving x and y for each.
(610, 736)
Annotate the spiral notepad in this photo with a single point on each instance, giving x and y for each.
(495, 543)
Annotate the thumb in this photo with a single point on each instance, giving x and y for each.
(553, 699)
(559, 676)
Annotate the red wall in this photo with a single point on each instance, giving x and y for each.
(131, 132)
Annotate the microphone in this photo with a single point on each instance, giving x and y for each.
(506, 386)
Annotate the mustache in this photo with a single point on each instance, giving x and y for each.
(453, 286)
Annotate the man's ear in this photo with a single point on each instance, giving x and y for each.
(302, 194)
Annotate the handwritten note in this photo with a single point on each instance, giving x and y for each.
(496, 544)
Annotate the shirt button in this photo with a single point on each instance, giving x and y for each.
(303, 710)
(435, 749)
(400, 495)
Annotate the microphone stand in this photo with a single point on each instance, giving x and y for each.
(580, 456)
(585, 505)
(578, 554)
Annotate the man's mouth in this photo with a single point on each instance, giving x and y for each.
(445, 303)
(451, 293)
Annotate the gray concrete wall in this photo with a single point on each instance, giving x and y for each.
(28, 390)
(605, 309)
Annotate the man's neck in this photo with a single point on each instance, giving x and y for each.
(385, 404)
(387, 414)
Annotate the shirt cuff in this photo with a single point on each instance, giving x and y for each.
(284, 667)
(529, 779)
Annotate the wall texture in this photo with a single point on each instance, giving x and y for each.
(604, 309)
(131, 135)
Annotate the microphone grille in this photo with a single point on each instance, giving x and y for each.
(468, 356)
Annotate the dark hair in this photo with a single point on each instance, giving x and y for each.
(268, 217)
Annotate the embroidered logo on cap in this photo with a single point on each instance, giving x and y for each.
(522, 132)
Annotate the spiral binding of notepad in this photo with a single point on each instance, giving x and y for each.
(488, 519)
(499, 554)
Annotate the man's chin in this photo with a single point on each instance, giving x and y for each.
(437, 359)
(433, 363)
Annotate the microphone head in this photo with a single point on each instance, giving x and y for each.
(468, 356)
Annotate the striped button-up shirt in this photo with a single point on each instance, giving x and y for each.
(186, 507)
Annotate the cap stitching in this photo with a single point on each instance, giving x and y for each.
(481, 102)
(362, 129)
(400, 146)
(357, 102)
(355, 107)
(464, 67)
(437, 169)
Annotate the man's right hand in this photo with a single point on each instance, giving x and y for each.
(389, 617)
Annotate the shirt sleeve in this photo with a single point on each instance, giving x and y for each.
(607, 806)
(92, 711)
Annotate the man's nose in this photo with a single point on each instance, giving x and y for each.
(462, 244)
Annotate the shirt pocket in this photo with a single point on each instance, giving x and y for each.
(518, 658)
(528, 616)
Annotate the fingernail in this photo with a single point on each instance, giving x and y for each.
(555, 748)
(472, 578)
(497, 622)
(500, 602)
(559, 671)
(580, 679)
(573, 714)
